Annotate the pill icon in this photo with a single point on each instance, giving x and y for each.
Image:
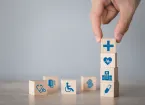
(108, 88)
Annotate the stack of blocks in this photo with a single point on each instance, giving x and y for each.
(109, 84)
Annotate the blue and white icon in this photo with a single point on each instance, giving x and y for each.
(51, 83)
(108, 60)
(107, 89)
(40, 88)
(90, 83)
(68, 88)
(107, 76)
(108, 45)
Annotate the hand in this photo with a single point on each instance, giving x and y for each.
(104, 11)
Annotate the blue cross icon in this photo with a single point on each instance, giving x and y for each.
(107, 76)
(108, 45)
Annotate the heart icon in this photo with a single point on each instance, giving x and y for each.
(107, 60)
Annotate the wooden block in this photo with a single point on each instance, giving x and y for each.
(88, 83)
(68, 86)
(38, 87)
(108, 60)
(52, 83)
(109, 89)
(108, 45)
(109, 74)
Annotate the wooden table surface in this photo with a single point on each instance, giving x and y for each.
(16, 93)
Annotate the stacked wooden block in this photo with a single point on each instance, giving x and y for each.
(68, 86)
(109, 84)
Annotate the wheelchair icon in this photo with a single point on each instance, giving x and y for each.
(68, 88)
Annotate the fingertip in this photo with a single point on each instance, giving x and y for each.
(118, 37)
(98, 39)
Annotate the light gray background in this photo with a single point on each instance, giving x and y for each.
(54, 37)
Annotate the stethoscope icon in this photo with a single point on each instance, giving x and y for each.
(40, 88)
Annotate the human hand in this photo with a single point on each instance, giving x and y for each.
(104, 11)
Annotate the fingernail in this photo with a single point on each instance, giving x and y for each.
(119, 37)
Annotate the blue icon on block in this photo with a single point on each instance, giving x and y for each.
(108, 60)
(108, 45)
(68, 88)
(107, 76)
(40, 88)
(51, 83)
(90, 83)
(107, 89)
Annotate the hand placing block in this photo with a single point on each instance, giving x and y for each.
(68, 86)
(108, 60)
(38, 87)
(108, 46)
(109, 89)
(88, 83)
(52, 83)
(109, 74)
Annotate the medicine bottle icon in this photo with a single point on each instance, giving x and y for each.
(51, 83)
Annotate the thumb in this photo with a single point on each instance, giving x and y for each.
(125, 19)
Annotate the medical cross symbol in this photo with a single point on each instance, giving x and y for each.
(108, 45)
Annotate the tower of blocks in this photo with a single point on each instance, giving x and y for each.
(109, 83)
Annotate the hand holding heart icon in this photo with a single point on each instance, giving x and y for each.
(108, 60)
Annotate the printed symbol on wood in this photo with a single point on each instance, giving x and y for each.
(108, 45)
(107, 76)
(107, 60)
(40, 88)
(107, 89)
(90, 83)
(68, 88)
(51, 83)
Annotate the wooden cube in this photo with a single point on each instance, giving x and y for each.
(88, 83)
(109, 89)
(38, 87)
(109, 74)
(68, 86)
(52, 83)
(108, 60)
(108, 45)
